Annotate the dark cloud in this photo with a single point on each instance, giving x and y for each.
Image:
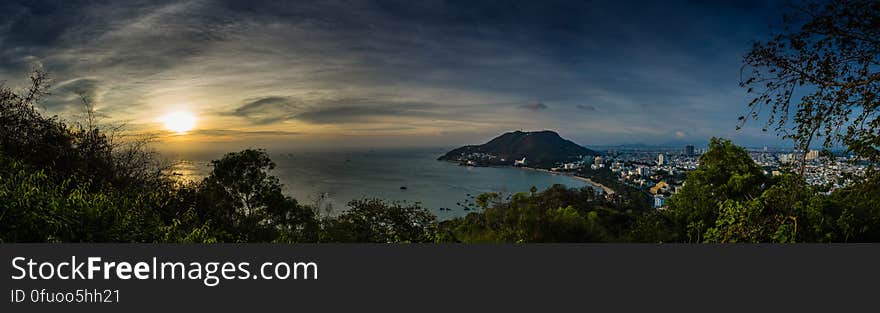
(266, 110)
(535, 106)
(366, 110)
(585, 107)
(349, 110)
(39, 23)
(261, 104)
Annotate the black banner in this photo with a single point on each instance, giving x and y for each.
(452, 278)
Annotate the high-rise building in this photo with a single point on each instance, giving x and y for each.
(812, 155)
(660, 159)
(689, 150)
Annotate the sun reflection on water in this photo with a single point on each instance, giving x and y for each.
(187, 171)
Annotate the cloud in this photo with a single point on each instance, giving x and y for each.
(534, 106)
(234, 133)
(369, 110)
(680, 134)
(585, 107)
(266, 110)
(65, 96)
(347, 114)
(424, 65)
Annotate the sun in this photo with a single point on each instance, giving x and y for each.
(179, 121)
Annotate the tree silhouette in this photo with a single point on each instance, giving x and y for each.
(820, 77)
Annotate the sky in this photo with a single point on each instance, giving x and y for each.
(395, 73)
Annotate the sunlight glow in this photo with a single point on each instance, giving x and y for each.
(179, 121)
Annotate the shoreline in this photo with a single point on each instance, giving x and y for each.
(604, 188)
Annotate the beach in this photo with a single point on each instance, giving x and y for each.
(604, 188)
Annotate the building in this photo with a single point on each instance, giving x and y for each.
(812, 155)
(570, 166)
(642, 171)
(660, 159)
(597, 160)
(786, 158)
(689, 150)
(520, 162)
(659, 201)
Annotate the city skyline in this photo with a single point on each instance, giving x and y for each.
(219, 74)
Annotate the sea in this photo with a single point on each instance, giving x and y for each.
(330, 179)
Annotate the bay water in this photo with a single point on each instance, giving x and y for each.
(329, 179)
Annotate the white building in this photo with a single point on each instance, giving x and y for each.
(660, 159)
(659, 201)
(785, 158)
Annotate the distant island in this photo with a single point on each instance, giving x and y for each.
(541, 149)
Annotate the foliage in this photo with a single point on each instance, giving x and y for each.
(626, 197)
(857, 212)
(35, 208)
(246, 204)
(726, 172)
(827, 55)
(83, 150)
(557, 214)
(374, 220)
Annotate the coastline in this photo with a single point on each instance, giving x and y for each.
(604, 188)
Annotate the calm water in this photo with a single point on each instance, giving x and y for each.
(334, 178)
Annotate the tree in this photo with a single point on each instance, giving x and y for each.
(374, 220)
(247, 204)
(557, 214)
(857, 212)
(27, 135)
(726, 172)
(820, 77)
